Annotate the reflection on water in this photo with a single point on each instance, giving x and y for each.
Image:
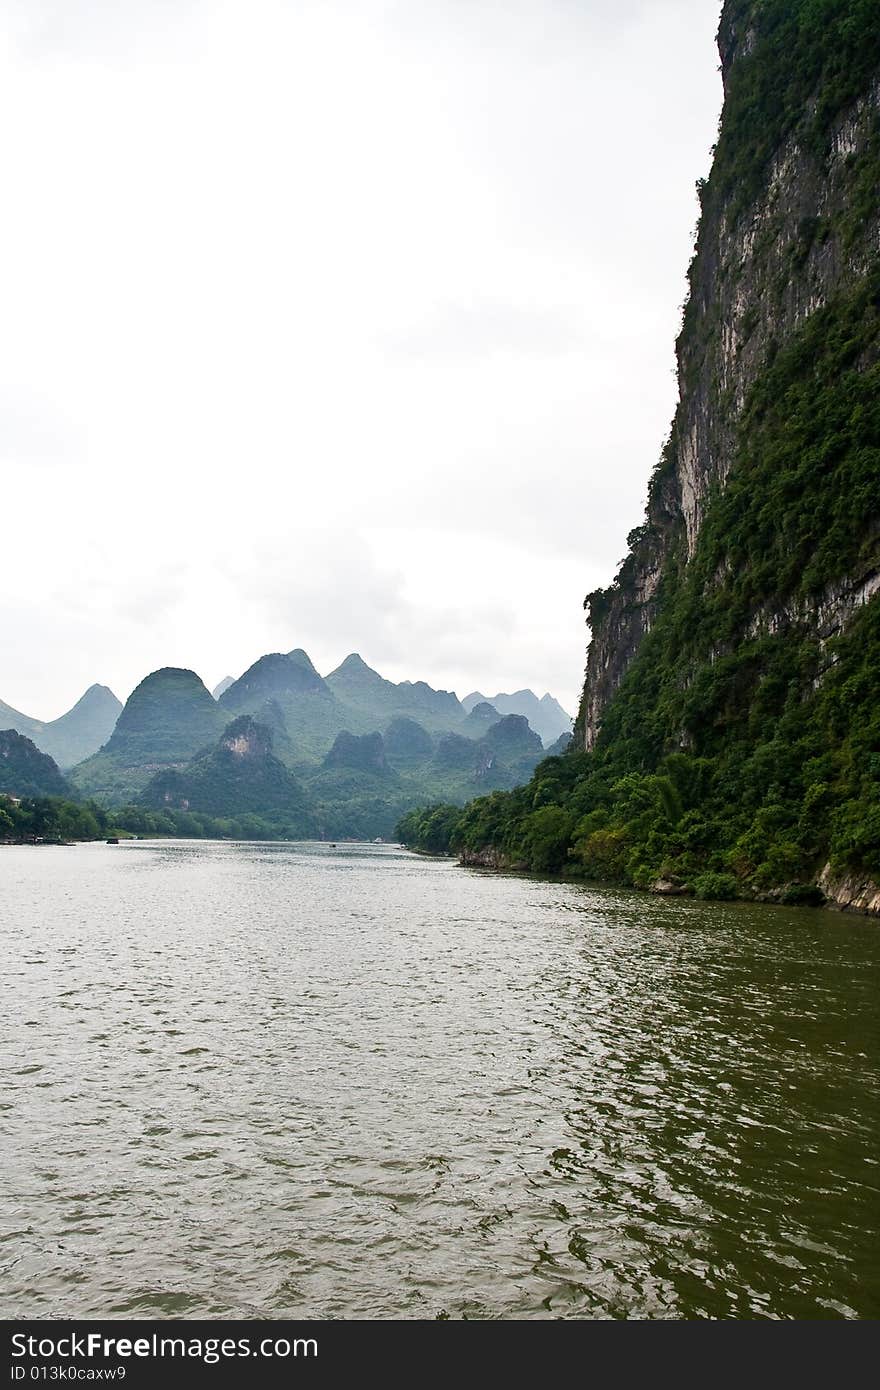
(274, 1080)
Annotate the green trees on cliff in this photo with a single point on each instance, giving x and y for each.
(770, 792)
(742, 750)
(808, 60)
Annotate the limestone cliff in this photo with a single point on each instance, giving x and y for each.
(728, 738)
(790, 223)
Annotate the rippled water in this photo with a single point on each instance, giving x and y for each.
(274, 1080)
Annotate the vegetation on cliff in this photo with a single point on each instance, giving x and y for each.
(774, 785)
(740, 752)
(804, 62)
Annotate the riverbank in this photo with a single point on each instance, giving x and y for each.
(840, 892)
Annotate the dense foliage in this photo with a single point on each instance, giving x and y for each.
(432, 829)
(802, 62)
(25, 771)
(147, 824)
(51, 818)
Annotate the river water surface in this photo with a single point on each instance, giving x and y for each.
(246, 1080)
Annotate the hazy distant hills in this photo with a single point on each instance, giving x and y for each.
(546, 716)
(480, 718)
(562, 745)
(368, 781)
(360, 788)
(304, 754)
(238, 776)
(76, 734)
(357, 698)
(311, 714)
(374, 699)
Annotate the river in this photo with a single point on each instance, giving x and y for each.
(264, 1080)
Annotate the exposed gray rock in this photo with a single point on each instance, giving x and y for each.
(850, 892)
(758, 277)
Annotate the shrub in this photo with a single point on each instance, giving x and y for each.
(714, 885)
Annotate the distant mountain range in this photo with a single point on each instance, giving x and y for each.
(239, 775)
(75, 734)
(345, 754)
(546, 716)
(166, 721)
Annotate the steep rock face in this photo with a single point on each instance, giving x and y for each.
(246, 740)
(790, 223)
(488, 858)
(850, 892)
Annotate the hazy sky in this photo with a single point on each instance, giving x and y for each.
(345, 325)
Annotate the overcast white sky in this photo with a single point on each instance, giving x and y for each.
(345, 325)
